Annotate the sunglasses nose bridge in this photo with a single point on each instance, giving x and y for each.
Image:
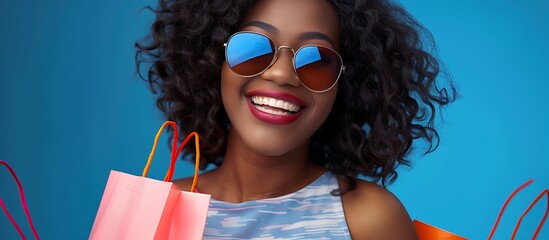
(285, 47)
(278, 50)
(282, 70)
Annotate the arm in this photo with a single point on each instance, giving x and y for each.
(374, 213)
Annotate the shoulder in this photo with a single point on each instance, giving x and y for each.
(205, 181)
(372, 212)
(184, 184)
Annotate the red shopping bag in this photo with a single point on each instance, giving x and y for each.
(137, 207)
(23, 204)
(428, 232)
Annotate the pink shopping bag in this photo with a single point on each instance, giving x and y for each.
(137, 207)
(23, 204)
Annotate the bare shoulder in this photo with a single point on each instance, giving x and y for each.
(184, 184)
(374, 213)
(204, 180)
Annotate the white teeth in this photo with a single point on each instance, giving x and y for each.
(263, 109)
(277, 103)
(272, 102)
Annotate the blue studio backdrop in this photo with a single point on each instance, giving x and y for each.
(72, 109)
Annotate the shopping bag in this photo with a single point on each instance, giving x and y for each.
(137, 207)
(428, 232)
(23, 204)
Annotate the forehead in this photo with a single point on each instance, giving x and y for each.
(294, 17)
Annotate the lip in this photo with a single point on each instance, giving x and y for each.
(271, 118)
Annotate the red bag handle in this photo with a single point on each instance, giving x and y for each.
(515, 230)
(540, 195)
(23, 203)
(175, 153)
(196, 158)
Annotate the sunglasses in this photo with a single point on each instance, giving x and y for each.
(249, 54)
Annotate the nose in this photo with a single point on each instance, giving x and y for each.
(282, 70)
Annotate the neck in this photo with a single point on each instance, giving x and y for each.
(247, 175)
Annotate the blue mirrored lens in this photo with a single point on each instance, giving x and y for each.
(309, 55)
(317, 67)
(249, 53)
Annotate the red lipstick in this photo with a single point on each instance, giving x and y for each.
(270, 117)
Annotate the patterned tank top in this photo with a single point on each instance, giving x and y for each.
(310, 213)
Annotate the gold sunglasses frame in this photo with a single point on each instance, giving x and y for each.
(341, 69)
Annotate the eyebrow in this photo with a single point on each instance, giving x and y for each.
(302, 37)
(265, 26)
(315, 35)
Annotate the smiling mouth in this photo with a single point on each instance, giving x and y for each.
(274, 106)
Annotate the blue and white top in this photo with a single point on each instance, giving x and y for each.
(310, 213)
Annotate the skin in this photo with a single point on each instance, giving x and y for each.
(265, 160)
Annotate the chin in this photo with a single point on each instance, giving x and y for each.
(270, 145)
(269, 151)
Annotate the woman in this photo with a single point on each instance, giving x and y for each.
(293, 101)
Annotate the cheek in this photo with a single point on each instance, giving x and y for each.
(324, 103)
(232, 94)
(224, 82)
(228, 87)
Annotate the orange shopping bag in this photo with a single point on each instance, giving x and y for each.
(137, 207)
(428, 232)
(23, 204)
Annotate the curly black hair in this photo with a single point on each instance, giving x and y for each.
(386, 99)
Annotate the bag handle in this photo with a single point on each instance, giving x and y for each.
(196, 158)
(23, 203)
(515, 230)
(175, 153)
(540, 225)
(153, 150)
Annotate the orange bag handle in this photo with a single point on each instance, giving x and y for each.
(153, 150)
(23, 203)
(515, 230)
(175, 153)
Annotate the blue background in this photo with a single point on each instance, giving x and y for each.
(72, 109)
